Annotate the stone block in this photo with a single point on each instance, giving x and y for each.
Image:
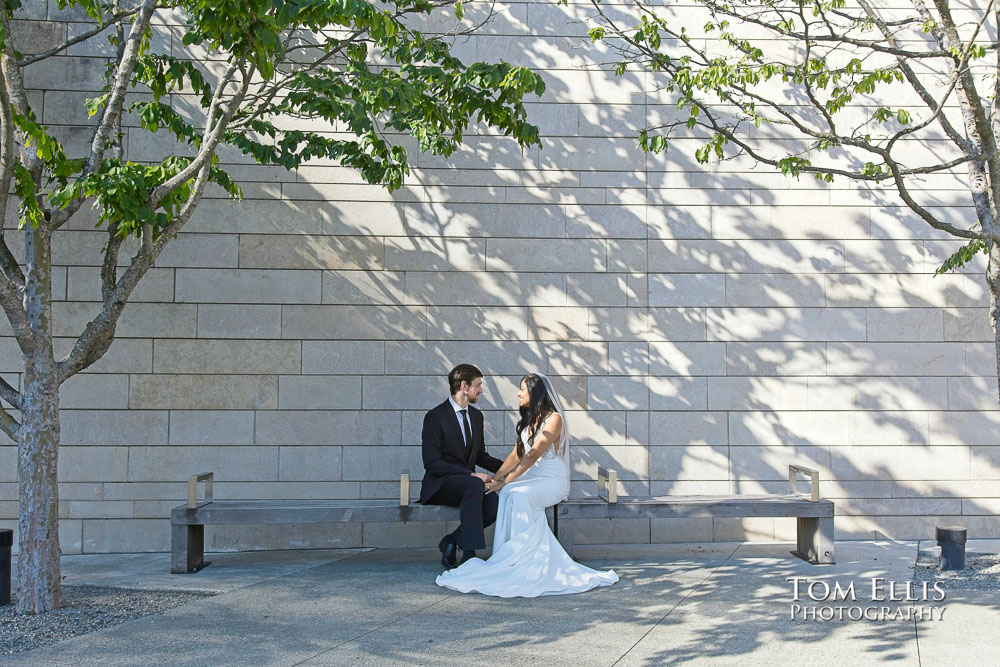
(630, 462)
(617, 393)
(677, 393)
(590, 428)
(343, 357)
(476, 323)
(688, 462)
(485, 289)
(333, 427)
(319, 392)
(767, 428)
(905, 324)
(770, 289)
(896, 359)
(786, 324)
(203, 392)
(169, 464)
(613, 222)
(113, 427)
(438, 357)
(606, 531)
(300, 251)
(410, 253)
(576, 358)
(687, 359)
(397, 535)
(352, 322)
(596, 289)
(688, 428)
(238, 321)
(902, 463)
(573, 255)
(762, 359)
(749, 529)
(972, 393)
(248, 286)
(964, 428)
(618, 324)
(888, 393)
(364, 288)
(687, 289)
(627, 256)
(124, 355)
(889, 428)
(287, 490)
(125, 535)
(695, 256)
(528, 221)
(83, 283)
(284, 536)
(92, 390)
(138, 320)
(813, 222)
(677, 324)
(630, 358)
(203, 250)
(905, 290)
(174, 492)
(967, 324)
(679, 222)
(403, 392)
(97, 509)
(805, 256)
(560, 323)
(980, 358)
(757, 393)
(256, 216)
(92, 464)
(742, 222)
(771, 463)
(664, 531)
(62, 73)
(211, 427)
(302, 464)
(228, 356)
(380, 464)
(884, 256)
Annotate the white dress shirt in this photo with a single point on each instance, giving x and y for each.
(458, 415)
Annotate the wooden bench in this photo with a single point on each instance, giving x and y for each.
(815, 516)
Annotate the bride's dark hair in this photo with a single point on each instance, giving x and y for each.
(539, 407)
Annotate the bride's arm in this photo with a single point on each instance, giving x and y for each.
(508, 464)
(543, 440)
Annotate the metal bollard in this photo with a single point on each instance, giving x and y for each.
(951, 539)
(6, 543)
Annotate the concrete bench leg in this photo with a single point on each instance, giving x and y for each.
(815, 540)
(564, 533)
(187, 549)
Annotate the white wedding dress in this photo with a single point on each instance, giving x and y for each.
(527, 559)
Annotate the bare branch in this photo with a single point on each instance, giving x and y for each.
(10, 394)
(9, 425)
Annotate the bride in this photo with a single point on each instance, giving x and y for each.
(527, 559)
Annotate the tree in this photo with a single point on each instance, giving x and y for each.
(856, 84)
(360, 64)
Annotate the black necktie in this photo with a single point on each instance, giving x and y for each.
(468, 431)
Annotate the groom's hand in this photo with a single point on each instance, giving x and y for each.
(483, 476)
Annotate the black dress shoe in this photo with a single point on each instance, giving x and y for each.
(449, 556)
(468, 555)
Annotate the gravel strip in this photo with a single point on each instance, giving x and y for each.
(85, 609)
(981, 573)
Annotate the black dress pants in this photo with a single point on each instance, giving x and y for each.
(476, 509)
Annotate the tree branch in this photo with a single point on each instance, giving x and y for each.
(9, 425)
(10, 394)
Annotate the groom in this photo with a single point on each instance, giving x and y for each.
(453, 446)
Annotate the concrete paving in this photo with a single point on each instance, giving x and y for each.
(709, 604)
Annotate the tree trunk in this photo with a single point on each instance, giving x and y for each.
(38, 444)
(38, 560)
(993, 280)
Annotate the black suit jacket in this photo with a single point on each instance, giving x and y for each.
(444, 448)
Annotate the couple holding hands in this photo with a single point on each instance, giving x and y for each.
(527, 560)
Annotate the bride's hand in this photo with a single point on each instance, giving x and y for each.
(495, 486)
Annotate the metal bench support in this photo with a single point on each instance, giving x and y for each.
(815, 540)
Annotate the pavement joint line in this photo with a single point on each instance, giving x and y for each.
(381, 627)
(679, 603)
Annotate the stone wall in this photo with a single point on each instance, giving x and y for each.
(706, 325)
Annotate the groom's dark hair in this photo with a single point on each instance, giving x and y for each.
(462, 373)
